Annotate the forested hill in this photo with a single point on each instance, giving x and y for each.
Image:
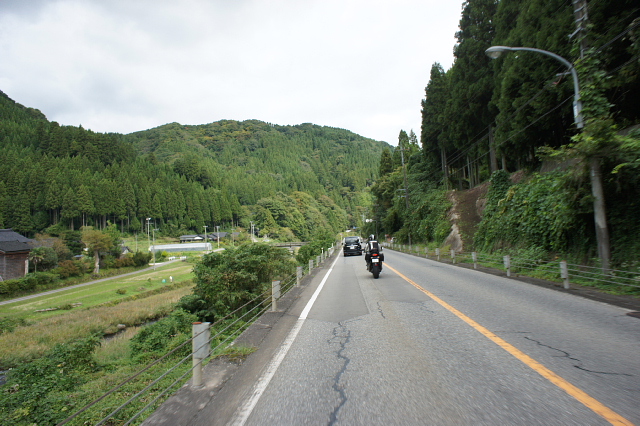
(291, 181)
(253, 158)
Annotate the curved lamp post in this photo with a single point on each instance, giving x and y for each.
(599, 210)
(495, 51)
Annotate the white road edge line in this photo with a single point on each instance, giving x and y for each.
(246, 409)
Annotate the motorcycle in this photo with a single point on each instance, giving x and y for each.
(375, 265)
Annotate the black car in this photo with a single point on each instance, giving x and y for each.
(352, 246)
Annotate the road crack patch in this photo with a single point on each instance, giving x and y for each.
(578, 363)
(341, 337)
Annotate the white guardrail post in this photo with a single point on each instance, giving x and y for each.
(275, 295)
(564, 273)
(310, 265)
(298, 275)
(474, 256)
(201, 349)
(507, 264)
(438, 254)
(453, 257)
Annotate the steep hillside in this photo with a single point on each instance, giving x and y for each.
(184, 178)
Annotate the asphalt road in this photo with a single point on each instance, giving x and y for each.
(434, 344)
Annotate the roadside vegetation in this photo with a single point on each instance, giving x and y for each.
(555, 189)
(60, 360)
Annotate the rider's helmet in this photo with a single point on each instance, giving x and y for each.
(372, 237)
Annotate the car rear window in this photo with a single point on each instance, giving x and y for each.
(351, 240)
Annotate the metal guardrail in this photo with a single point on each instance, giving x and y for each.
(203, 337)
(554, 270)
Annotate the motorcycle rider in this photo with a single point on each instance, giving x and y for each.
(373, 247)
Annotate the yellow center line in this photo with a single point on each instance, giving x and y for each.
(590, 402)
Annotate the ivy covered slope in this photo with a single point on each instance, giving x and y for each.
(290, 181)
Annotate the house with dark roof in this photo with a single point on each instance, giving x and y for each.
(14, 255)
(215, 236)
(191, 238)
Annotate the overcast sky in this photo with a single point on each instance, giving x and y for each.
(129, 65)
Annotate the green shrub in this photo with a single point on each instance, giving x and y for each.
(141, 259)
(33, 393)
(230, 279)
(314, 248)
(158, 338)
(70, 268)
(540, 212)
(124, 262)
(194, 304)
(108, 261)
(28, 283)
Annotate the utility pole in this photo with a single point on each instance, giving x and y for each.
(492, 151)
(154, 248)
(205, 237)
(148, 232)
(597, 191)
(406, 187)
(581, 17)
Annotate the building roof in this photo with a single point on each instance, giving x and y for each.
(14, 247)
(10, 235)
(191, 237)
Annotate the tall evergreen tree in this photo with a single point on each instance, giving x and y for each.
(470, 86)
(529, 90)
(85, 203)
(386, 162)
(433, 136)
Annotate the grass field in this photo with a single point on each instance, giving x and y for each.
(132, 300)
(98, 293)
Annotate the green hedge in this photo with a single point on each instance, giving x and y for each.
(28, 283)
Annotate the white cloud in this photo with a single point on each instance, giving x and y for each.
(123, 66)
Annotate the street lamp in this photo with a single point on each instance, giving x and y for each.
(599, 211)
(218, 235)
(494, 52)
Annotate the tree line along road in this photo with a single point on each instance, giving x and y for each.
(431, 343)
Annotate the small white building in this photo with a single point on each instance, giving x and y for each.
(181, 247)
